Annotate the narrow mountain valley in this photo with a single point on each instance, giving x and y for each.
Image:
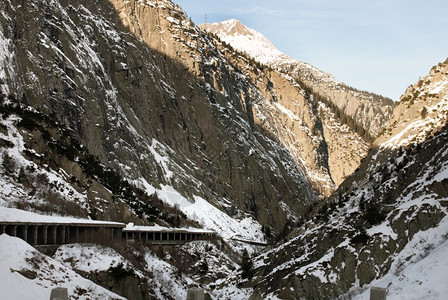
(347, 118)
(388, 214)
(127, 112)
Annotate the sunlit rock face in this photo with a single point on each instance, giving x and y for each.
(155, 98)
(387, 216)
(325, 124)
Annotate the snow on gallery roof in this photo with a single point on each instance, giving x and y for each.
(11, 215)
(158, 228)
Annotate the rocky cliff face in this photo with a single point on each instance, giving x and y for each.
(336, 142)
(370, 110)
(389, 214)
(105, 102)
(154, 98)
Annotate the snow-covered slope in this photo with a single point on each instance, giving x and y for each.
(92, 271)
(256, 45)
(330, 140)
(385, 224)
(420, 271)
(422, 111)
(25, 273)
(33, 194)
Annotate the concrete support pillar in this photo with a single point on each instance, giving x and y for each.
(35, 228)
(25, 233)
(55, 234)
(62, 234)
(59, 293)
(2, 229)
(67, 237)
(14, 230)
(195, 294)
(378, 293)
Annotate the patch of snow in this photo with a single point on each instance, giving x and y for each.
(91, 258)
(420, 270)
(17, 215)
(27, 274)
(158, 228)
(166, 276)
(211, 217)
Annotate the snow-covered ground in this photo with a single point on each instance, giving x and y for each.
(91, 258)
(27, 274)
(166, 278)
(420, 271)
(211, 217)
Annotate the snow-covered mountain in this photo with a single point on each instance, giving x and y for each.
(126, 111)
(256, 45)
(386, 223)
(245, 39)
(25, 273)
(372, 111)
(347, 118)
(154, 99)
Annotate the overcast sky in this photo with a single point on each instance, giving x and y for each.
(381, 46)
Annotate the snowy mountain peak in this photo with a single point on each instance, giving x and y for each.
(233, 27)
(370, 110)
(245, 39)
(256, 45)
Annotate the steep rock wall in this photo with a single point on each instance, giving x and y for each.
(149, 95)
(392, 211)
